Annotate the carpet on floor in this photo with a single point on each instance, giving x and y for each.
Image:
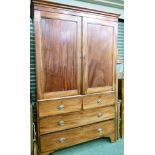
(95, 147)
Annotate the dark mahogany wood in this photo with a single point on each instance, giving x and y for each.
(75, 59)
(59, 54)
(100, 55)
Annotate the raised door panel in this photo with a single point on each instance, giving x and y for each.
(99, 46)
(58, 41)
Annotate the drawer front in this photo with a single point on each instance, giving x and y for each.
(54, 141)
(49, 108)
(67, 121)
(100, 100)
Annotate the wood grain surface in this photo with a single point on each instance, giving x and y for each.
(75, 56)
(59, 54)
(99, 100)
(60, 106)
(75, 119)
(51, 142)
(100, 55)
(98, 65)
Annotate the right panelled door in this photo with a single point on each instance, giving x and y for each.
(99, 55)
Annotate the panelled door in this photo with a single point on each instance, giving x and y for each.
(99, 52)
(58, 53)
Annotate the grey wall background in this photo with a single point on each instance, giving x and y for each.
(120, 45)
(32, 64)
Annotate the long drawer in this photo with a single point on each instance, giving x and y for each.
(98, 100)
(59, 106)
(70, 120)
(54, 141)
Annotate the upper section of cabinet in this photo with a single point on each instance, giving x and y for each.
(75, 50)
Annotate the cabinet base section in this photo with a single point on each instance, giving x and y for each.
(111, 138)
(58, 140)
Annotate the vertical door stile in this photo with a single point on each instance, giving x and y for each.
(84, 57)
(38, 44)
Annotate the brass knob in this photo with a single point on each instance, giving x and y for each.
(61, 123)
(100, 130)
(99, 114)
(61, 107)
(100, 101)
(62, 140)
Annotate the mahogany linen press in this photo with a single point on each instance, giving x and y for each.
(76, 75)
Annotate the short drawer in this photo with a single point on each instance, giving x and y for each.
(54, 141)
(99, 100)
(60, 106)
(70, 120)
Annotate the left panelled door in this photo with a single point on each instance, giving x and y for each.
(58, 54)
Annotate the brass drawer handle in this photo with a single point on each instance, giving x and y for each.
(100, 101)
(61, 107)
(62, 140)
(99, 114)
(61, 123)
(100, 130)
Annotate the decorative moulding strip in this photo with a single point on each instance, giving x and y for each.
(46, 3)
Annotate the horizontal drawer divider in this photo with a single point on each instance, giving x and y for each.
(72, 120)
(82, 110)
(79, 127)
